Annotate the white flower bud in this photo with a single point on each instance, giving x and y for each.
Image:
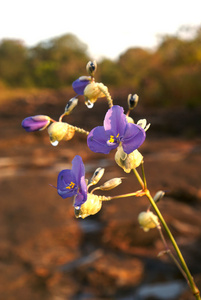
(110, 184)
(60, 131)
(132, 101)
(92, 205)
(71, 105)
(92, 91)
(128, 162)
(143, 123)
(91, 67)
(148, 220)
(158, 196)
(98, 174)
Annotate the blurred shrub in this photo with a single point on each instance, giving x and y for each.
(169, 75)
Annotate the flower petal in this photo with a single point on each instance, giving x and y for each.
(66, 184)
(78, 168)
(78, 171)
(78, 201)
(97, 140)
(81, 196)
(115, 120)
(35, 123)
(133, 138)
(79, 86)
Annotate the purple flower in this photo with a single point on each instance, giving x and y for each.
(116, 130)
(72, 182)
(80, 84)
(35, 123)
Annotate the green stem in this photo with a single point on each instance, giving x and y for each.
(143, 176)
(182, 261)
(125, 195)
(191, 282)
(104, 198)
(139, 178)
(169, 252)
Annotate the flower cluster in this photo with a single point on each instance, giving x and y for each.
(118, 132)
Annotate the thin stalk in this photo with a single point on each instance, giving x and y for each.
(125, 195)
(169, 252)
(143, 176)
(194, 289)
(139, 178)
(107, 95)
(80, 130)
(104, 198)
(191, 282)
(61, 117)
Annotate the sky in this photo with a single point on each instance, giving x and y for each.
(108, 27)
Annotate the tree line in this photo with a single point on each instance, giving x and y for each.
(167, 75)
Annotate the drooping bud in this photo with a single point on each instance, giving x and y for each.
(60, 131)
(98, 174)
(132, 101)
(110, 184)
(91, 67)
(128, 162)
(35, 123)
(92, 91)
(148, 220)
(158, 196)
(92, 205)
(70, 105)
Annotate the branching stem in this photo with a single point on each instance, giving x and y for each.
(190, 279)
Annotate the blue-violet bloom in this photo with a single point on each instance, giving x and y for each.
(80, 84)
(72, 182)
(36, 123)
(116, 131)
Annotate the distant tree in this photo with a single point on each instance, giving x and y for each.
(58, 61)
(110, 73)
(13, 55)
(133, 64)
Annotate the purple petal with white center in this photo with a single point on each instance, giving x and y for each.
(78, 201)
(115, 120)
(81, 196)
(133, 138)
(35, 123)
(78, 171)
(78, 168)
(66, 184)
(79, 86)
(97, 140)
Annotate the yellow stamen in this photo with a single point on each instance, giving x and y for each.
(111, 140)
(71, 185)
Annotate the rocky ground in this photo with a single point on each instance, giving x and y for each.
(48, 254)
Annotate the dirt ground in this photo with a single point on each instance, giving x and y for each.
(48, 254)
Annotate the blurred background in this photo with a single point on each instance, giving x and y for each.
(149, 48)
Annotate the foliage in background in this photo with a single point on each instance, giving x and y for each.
(169, 75)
